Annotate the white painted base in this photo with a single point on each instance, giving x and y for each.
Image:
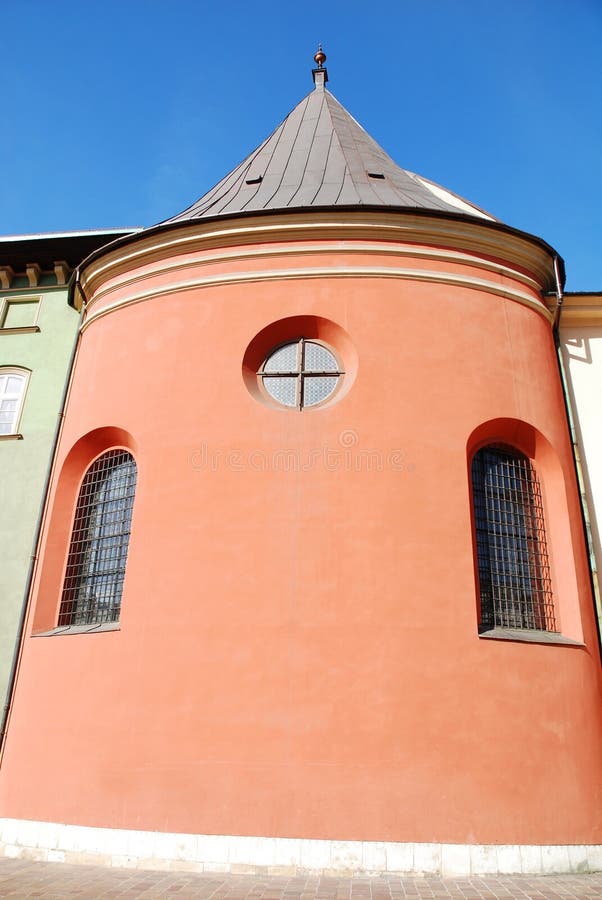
(283, 856)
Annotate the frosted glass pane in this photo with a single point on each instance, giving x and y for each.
(283, 360)
(318, 359)
(14, 385)
(19, 315)
(318, 388)
(8, 405)
(284, 390)
(7, 419)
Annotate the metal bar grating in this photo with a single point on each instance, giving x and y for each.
(99, 542)
(514, 571)
(301, 373)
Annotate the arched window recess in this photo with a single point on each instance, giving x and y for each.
(515, 587)
(13, 385)
(99, 542)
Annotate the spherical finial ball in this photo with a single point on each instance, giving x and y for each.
(320, 57)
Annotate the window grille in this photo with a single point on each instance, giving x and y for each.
(301, 373)
(99, 542)
(514, 571)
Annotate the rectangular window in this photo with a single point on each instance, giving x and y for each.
(19, 312)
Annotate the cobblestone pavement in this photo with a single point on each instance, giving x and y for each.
(60, 881)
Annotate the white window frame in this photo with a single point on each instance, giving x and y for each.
(24, 374)
(6, 301)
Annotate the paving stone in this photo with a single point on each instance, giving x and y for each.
(23, 879)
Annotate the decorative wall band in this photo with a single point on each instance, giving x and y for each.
(52, 842)
(238, 254)
(447, 278)
(522, 251)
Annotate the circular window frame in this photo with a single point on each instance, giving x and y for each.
(279, 332)
(301, 374)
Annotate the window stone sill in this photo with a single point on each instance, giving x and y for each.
(23, 329)
(80, 629)
(11, 437)
(525, 636)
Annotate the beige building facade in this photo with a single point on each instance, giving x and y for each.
(580, 335)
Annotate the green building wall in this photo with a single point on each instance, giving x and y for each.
(24, 462)
(33, 266)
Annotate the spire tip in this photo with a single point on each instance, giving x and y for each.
(320, 57)
(320, 75)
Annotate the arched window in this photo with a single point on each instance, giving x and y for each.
(514, 572)
(12, 392)
(99, 542)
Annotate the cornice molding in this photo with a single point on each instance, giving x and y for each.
(235, 278)
(344, 248)
(62, 270)
(492, 245)
(581, 310)
(6, 276)
(33, 272)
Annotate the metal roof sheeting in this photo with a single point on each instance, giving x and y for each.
(321, 157)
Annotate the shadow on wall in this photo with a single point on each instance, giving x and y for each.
(581, 347)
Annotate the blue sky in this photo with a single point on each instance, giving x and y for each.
(123, 113)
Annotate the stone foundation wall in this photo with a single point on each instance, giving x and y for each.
(282, 856)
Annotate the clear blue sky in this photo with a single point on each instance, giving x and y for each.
(123, 112)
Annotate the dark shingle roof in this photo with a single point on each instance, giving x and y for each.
(321, 157)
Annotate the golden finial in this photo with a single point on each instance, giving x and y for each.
(320, 57)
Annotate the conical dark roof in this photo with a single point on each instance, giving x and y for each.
(321, 157)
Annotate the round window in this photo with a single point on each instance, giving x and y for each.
(300, 373)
